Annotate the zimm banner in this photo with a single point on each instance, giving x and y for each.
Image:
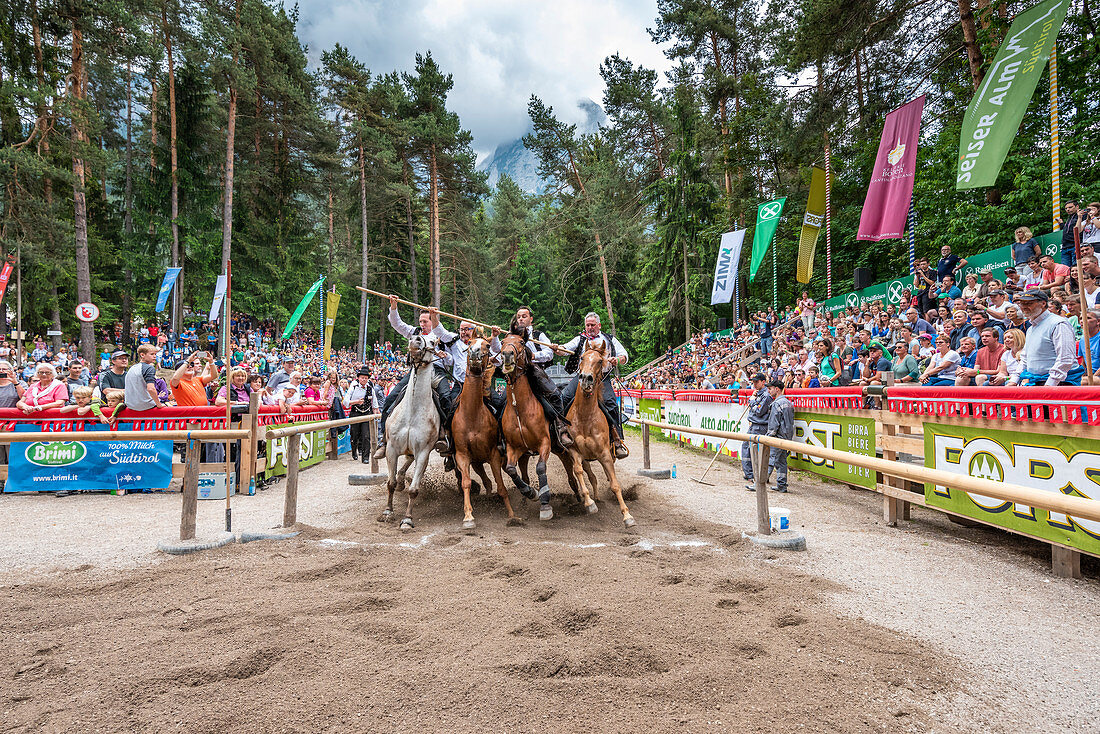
(1052, 463)
(890, 291)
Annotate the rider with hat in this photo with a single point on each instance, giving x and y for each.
(616, 355)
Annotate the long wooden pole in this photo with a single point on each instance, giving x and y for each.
(1086, 509)
(448, 315)
(228, 397)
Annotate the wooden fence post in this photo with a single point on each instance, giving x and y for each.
(890, 505)
(190, 487)
(373, 431)
(759, 454)
(290, 505)
(645, 447)
(1065, 562)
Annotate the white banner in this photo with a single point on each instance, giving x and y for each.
(725, 270)
(219, 296)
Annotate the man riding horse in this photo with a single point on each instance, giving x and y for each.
(541, 384)
(441, 378)
(616, 354)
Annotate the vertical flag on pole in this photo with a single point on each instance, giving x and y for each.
(170, 276)
(828, 217)
(297, 315)
(725, 267)
(1055, 166)
(811, 225)
(891, 188)
(331, 305)
(767, 221)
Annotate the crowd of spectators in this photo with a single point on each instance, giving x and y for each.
(1024, 329)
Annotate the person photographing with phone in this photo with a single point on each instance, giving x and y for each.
(188, 383)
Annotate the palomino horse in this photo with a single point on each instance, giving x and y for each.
(590, 426)
(413, 426)
(476, 433)
(525, 428)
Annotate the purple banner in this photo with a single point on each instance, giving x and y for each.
(891, 189)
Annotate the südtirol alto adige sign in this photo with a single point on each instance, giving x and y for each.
(1051, 463)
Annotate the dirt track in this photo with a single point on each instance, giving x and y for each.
(574, 625)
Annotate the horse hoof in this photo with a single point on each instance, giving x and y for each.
(514, 522)
(546, 512)
(386, 516)
(528, 491)
(407, 524)
(468, 524)
(591, 509)
(628, 521)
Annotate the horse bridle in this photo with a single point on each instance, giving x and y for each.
(510, 376)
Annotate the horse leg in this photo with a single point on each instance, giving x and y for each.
(521, 484)
(545, 511)
(570, 473)
(608, 464)
(502, 490)
(591, 478)
(523, 460)
(401, 473)
(462, 464)
(578, 469)
(480, 469)
(391, 484)
(414, 488)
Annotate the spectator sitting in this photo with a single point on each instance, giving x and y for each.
(1014, 318)
(985, 275)
(141, 378)
(1050, 354)
(904, 365)
(970, 292)
(941, 369)
(916, 323)
(238, 387)
(812, 378)
(1053, 274)
(45, 393)
(114, 377)
(965, 372)
(948, 288)
(987, 361)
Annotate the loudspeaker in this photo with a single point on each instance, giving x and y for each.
(721, 323)
(862, 278)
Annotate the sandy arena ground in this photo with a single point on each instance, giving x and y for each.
(571, 625)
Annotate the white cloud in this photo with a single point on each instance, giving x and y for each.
(499, 52)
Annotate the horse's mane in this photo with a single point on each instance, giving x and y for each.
(514, 328)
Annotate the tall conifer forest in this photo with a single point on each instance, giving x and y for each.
(139, 135)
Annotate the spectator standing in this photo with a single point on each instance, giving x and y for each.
(74, 378)
(948, 264)
(1069, 246)
(114, 377)
(807, 310)
(1088, 224)
(188, 383)
(141, 380)
(757, 415)
(1024, 248)
(780, 425)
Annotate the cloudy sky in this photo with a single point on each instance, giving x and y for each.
(499, 52)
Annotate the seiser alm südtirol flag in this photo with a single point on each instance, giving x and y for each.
(725, 270)
(891, 189)
(811, 225)
(995, 112)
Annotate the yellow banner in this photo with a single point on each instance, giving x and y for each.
(331, 305)
(811, 225)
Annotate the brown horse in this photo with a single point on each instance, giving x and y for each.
(526, 431)
(476, 433)
(590, 426)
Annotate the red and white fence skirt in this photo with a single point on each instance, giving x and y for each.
(170, 418)
(1072, 405)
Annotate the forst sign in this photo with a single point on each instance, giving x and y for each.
(841, 433)
(1049, 463)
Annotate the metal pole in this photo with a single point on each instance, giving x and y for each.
(19, 302)
(1055, 164)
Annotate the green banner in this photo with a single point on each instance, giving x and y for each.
(1044, 461)
(650, 410)
(890, 291)
(311, 450)
(993, 118)
(842, 433)
(767, 221)
(297, 315)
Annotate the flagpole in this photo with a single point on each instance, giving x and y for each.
(828, 219)
(1055, 164)
(228, 399)
(912, 239)
(775, 278)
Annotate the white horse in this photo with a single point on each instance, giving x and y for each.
(413, 427)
